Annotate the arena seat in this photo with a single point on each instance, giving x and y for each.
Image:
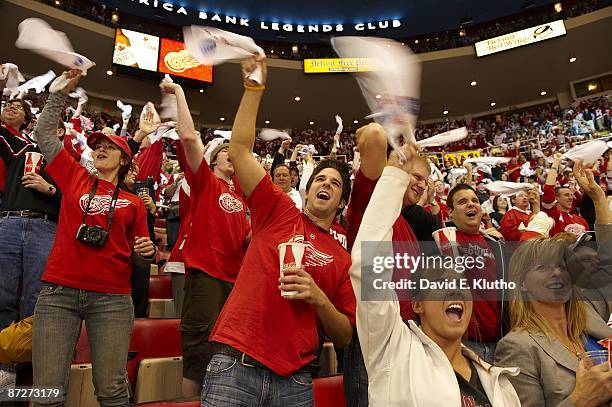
(160, 286)
(329, 391)
(153, 338)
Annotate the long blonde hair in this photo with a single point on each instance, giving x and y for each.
(522, 314)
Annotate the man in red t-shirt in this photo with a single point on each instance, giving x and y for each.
(214, 247)
(526, 206)
(265, 342)
(557, 202)
(485, 328)
(372, 144)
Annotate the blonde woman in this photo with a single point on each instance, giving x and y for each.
(551, 324)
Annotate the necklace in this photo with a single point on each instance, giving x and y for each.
(573, 350)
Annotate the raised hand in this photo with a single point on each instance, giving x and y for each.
(248, 66)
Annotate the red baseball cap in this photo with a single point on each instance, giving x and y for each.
(121, 142)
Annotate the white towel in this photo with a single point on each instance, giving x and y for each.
(10, 73)
(38, 83)
(589, 152)
(38, 36)
(396, 80)
(212, 46)
(506, 189)
(444, 138)
(272, 134)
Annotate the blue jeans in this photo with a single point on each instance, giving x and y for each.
(230, 383)
(25, 244)
(486, 350)
(355, 375)
(109, 319)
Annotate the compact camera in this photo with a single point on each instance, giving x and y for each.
(92, 235)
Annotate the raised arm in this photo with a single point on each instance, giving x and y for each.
(190, 138)
(246, 167)
(378, 318)
(372, 144)
(46, 127)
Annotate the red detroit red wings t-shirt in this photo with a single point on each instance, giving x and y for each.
(219, 227)
(281, 333)
(363, 188)
(78, 265)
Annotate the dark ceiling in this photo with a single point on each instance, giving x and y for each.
(417, 16)
(508, 78)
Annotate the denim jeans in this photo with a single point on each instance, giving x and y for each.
(230, 383)
(486, 350)
(109, 319)
(355, 375)
(25, 244)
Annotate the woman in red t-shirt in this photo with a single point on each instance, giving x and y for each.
(87, 276)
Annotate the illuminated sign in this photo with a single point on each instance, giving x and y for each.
(175, 60)
(459, 157)
(136, 49)
(207, 16)
(333, 65)
(520, 38)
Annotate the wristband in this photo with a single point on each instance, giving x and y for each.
(256, 88)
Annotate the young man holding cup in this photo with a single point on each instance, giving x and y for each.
(266, 340)
(214, 246)
(28, 216)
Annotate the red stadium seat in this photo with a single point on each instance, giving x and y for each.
(160, 286)
(329, 391)
(153, 338)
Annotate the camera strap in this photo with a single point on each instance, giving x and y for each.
(111, 210)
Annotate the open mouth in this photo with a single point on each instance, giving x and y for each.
(555, 286)
(454, 312)
(471, 213)
(323, 195)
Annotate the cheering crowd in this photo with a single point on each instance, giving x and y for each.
(81, 194)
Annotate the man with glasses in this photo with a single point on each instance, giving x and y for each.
(28, 217)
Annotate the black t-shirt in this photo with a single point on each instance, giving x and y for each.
(472, 392)
(16, 197)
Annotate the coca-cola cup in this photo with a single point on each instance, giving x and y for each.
(33, 162)
(290, 255)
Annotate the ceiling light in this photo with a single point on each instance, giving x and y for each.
(114, 16)
(543, 93)
(267, 122)
(222, 118)
(377, 96)
(462, 32)
(473, 83)
(592, 86)
(493, 104)
(403, 43)
(573, 59)
(311, 123)
(201, 90)
(445, 112)
(355, 121)
(297, 98)
(416, 41)
(294, 49)
(558, 7)
(109, 72)
(57, 3)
